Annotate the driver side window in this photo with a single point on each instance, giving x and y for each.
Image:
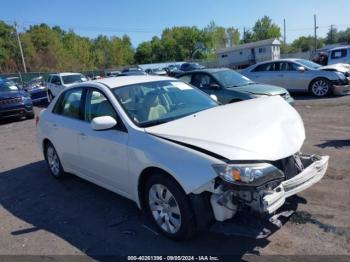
(202, 81)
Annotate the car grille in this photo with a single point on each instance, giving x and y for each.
(9, 101)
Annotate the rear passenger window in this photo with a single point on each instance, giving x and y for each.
(263, 67)
(69, 104)
(98, 105)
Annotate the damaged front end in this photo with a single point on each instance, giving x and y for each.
(263, 187)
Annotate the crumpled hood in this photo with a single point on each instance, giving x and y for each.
(337, 67)
(266, 128)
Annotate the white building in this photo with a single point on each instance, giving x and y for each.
(244, 55)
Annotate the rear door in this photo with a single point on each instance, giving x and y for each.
(65, 124)
(103, 154)
(265, 73)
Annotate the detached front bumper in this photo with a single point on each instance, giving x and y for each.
(341, 90)
(309, 176)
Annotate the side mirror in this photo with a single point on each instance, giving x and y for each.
(214, 97)
(214, 86)
(301, 69)
(103, 123)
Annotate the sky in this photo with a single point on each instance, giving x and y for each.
(143, 19)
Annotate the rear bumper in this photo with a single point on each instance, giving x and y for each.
(341, 89)
(309, 176)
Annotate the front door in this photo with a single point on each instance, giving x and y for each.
(103, 153)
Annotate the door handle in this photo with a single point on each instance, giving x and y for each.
(53, 125)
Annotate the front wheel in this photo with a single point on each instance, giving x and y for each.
(169, 208)
(321, 87)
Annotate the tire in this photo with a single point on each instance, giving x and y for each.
(173, 217)
(50, 97)
(53, 161)
(321, 87)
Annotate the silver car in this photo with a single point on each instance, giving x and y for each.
(299, 75)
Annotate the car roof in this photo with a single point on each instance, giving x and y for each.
(65, 74)
(207, 70)
(339, 48)
(114, 82)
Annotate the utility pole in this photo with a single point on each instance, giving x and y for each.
(332, 34)
(284, 31)
(20, 48)
(315, 29)
(243, 34)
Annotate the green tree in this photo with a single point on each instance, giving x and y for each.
(9, 54)
(143, 54)
(265, 29)
(306, 43)
(233, 36)
(332, 36)
(216, 36)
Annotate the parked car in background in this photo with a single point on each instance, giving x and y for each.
(299, 75)
(37, 89)
(14, 102)
(182, 158)
(133, 73)
(185, 67)
(113, 73)
(333, 56)
(156, 71)
(229, 86)
(173, 70)
(57, 82)
(132, 69)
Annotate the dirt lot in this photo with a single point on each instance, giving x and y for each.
(43, 216)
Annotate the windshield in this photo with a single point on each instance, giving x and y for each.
(308, 64)
(70, 79)
(7, 86)
(153, 103)
(229, 78)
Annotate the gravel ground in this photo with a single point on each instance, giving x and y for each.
(40, 215)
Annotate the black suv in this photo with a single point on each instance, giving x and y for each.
(14, 102)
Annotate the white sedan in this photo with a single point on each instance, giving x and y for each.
(170, 148)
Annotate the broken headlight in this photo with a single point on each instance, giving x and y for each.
(256, 173)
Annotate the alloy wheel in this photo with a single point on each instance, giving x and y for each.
(320, 87)
(164, 208)
(52, 159)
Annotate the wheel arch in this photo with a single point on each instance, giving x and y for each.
(145, 175)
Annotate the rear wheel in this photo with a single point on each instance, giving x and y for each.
(169, 207)
(53, 161)
(321, 87)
